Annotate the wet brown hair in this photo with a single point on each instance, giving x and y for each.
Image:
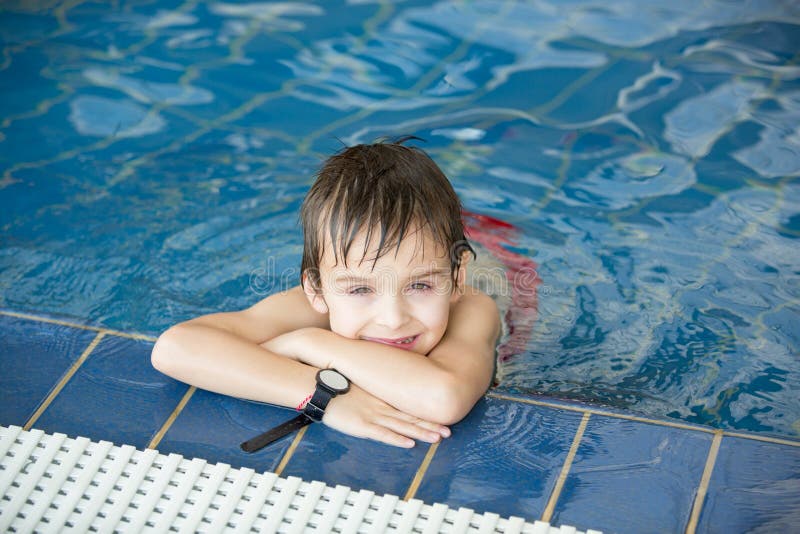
(387, 187)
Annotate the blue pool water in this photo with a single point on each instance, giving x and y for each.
(646, 157)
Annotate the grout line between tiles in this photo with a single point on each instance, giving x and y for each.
(290, 451)
(423, 468)
(42, 319)
(423, 79)
(63, 382)
(638, 419)
(499, 396)
(700, 497)
(604, 413)
(562, 476)
(171, 419)
(767, 439)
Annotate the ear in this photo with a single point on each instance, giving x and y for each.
(314, 296)
(461, 277)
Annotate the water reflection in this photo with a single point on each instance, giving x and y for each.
(646, 155)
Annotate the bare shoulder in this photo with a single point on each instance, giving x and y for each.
(475, 300)
(289, 308)
(292, 300)
(468, 345)
(475, 316)
(272, 316)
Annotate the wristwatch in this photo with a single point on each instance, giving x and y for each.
(330, 383)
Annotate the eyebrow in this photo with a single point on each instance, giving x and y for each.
(353, 278)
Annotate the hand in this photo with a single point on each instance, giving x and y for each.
(364, 416)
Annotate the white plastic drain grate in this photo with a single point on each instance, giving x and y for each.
(52, 483)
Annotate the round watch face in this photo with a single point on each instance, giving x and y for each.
(334, 380)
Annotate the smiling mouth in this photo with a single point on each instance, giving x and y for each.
(400, 342)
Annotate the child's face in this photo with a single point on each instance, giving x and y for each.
(404, 301)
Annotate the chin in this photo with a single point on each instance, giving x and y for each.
(423, 348)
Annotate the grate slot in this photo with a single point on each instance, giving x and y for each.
(82, 476)
(307, 506)
(185, 479)
(209, 483)
(281, 506)
(58, 472)
(161, 477)
(110, 473)
(7, 438)
(411, 515)
(33, 470)
(332, 512)
(388, 504)
(436, 517)
(233, 496)
(127, 489)
(19, 453)
(258, 498)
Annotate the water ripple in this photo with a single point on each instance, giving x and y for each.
(149, 92)
(100, 116)
(696, 123)
(621, 183)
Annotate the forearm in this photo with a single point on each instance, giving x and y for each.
(408, 381)
(219, 361)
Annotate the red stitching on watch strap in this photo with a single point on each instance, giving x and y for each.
(303, 403)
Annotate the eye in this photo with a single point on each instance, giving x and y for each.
(420, 286)
(360, 290)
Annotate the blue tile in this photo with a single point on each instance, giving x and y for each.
(755, 486)
(116, 395)
(633, 477)
(335, 458)
(505, 457)
(34, 356)
(212, 427)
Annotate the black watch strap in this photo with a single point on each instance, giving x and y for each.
(315, 408)
(329, 385)
(258, 442)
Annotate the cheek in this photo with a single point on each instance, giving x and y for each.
(346, 320)
(434, 314)
(344, 326)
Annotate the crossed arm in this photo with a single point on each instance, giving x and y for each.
(272, 351)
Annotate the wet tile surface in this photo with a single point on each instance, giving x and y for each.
(34, 356)
(212, 426)
(504, 458)
(116, 395)
(336, 458)
(754, 487)
(633, 477)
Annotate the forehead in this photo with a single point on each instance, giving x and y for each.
(418, 249)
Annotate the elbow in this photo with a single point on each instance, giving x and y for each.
(163, 356)
(452, 402)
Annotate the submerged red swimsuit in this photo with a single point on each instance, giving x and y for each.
(521, 272)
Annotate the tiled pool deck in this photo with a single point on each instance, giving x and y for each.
(529, 457)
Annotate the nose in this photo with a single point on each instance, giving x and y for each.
(392, 312)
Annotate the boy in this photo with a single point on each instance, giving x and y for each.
(382, 299)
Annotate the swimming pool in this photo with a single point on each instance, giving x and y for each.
(646, 159)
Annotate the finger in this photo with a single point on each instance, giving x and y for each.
(428, 425)
(409, 429)
(386, 435)
(442, 430)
